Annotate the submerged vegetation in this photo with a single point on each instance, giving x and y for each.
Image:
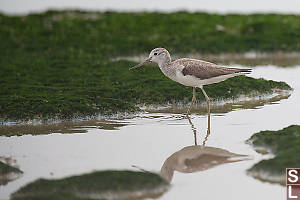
(62, 64)
(285, 145)
(5, 168)
(8, 173)
(65, 127)
(96, 185)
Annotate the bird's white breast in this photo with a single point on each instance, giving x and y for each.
(192, 81)
(187, 80)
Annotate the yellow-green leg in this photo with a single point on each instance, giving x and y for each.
(208, 109)
(193, 129)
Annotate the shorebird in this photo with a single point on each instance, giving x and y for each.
(191, 72)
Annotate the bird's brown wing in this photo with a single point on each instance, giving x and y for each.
(206, 161)
(204, 70)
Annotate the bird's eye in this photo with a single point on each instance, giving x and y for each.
(155, 54)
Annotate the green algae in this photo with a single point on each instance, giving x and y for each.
(107, 89)
(98, 185)
(59, 64)
(115, 33)
(284, 144)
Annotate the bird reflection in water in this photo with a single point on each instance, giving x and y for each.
(193, 127)
(196, 158)
(195, 131)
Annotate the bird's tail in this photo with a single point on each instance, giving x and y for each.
(245, 71)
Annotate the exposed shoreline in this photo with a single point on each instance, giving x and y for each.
(38, 126)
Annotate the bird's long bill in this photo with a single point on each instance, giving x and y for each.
(141, 64)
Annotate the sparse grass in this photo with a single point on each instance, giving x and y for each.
(96, 183)
(59, 64)
(285, 144)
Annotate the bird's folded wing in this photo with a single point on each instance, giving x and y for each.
(204, 70)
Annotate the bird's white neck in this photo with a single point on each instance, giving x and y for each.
(164, 61)
(165, 65)
(168, 70)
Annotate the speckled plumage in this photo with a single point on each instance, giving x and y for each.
(204, 70)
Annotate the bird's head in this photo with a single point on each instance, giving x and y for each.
(157, 55)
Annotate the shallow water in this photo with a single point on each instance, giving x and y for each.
(149, 139)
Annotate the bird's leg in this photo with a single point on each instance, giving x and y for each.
(208, 110)
(206, 137)
(193, 100)
(193, 129)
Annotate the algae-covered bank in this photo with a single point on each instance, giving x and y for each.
(96, 185)
(59, 65)
(285, 145)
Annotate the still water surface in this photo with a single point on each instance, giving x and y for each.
(149, 139)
